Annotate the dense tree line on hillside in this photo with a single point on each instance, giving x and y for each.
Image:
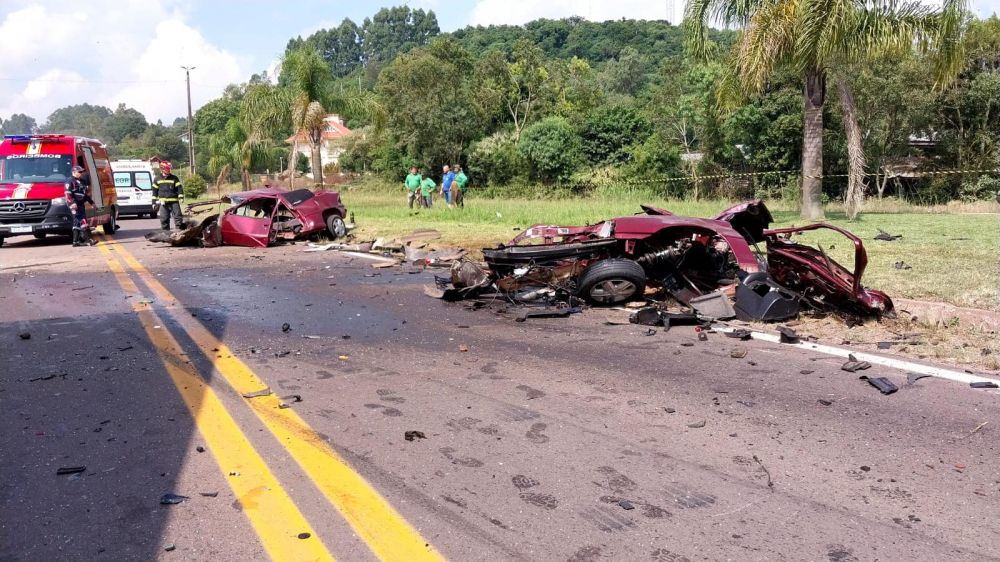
(571, 105)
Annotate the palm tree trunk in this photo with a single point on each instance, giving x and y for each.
(812, 145)
(855, 196)
(317, 164)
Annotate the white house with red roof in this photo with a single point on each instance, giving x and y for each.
(330, 147)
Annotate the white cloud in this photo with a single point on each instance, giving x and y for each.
(108, 52)
(515, 12)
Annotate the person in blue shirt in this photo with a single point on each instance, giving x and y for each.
(447, 180)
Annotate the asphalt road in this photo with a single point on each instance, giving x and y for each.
(559, 439)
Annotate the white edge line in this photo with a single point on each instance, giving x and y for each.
(873, 359)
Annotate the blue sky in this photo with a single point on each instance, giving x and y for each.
(136, 47)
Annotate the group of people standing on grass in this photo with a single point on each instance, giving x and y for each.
(420, 188)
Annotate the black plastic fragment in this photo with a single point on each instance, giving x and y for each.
(884, 385)
(172, 499)
(545, 313)
(626, 505)
(648, 316)
(853, 365)
(740, 334)
(760, 298)
(983, 384)
(70, 470)
(285, 327)
(914, 377)
(787, 335)
(413, 435)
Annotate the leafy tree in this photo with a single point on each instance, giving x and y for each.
(18, 124)
(609, 132)
(815, 36)
(340, 47)
(513, 87)
(428, 97)
(124, 122)
(83, 120)
(156, 140)
(552, 149)
(573, 89)
(392, 31)
(625, 74)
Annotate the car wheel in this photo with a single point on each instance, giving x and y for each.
(39, 235)
(335, 225)
(611, 281)
(112, 225)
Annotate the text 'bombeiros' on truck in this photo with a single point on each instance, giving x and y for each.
(34, 171)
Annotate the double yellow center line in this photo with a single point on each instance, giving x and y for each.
(274, 516)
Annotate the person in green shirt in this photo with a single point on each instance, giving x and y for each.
(427, 191)
(412, 183)
(461, 180)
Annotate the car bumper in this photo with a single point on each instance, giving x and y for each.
(58, 220)
(144, 209)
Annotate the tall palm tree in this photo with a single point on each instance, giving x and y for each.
(233, 149)
(305, 103)
(816, 37)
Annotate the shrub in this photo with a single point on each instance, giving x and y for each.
(494, 159)
(551, 149)
(194, 186)
(609, 132)
(985, 187)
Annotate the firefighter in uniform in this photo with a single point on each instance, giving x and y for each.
(169, 193)
(77, 196)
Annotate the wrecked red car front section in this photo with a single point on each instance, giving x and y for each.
(826, 283)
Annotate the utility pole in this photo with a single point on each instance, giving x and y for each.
(187, 71)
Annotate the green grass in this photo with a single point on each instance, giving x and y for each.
(954, 255)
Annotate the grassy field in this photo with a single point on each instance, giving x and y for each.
(955, 255)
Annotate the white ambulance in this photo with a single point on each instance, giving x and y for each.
(134, 185)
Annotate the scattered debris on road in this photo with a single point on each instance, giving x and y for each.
(209, 494)
(770, 483)
(172, 499)
(24, 336)
(983, 384)
(626, 505)
(63, 471)
(698, 424)
(258, 394)
(902, 265)
(413, 435)
(914, 377)
(884, 385)
(286, 327)
(853, 365)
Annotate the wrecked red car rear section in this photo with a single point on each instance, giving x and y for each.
(688, 258)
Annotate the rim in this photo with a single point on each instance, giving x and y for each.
(612, 290)
(339, 228)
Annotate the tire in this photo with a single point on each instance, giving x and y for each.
(39, 235)
(611, 281)
(1, 241)
(112, 225)
(336, 226)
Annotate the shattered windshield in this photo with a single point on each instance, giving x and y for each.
(19, 168)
